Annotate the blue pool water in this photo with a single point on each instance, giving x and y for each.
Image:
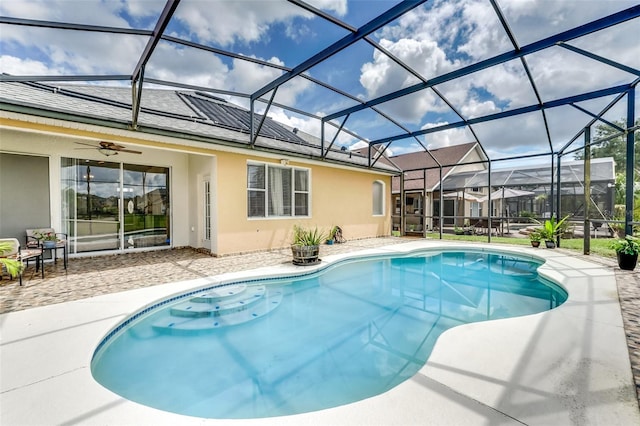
(278, 347)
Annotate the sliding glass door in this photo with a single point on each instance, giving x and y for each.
(146, 206)
(114, 206)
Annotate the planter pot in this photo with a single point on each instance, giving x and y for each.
(627, 261)
(49, 244)
(535, 243)
(550, 244)
(305, 255)
(330, 242)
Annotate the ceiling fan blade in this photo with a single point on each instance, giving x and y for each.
(131, 151)
(87, 144)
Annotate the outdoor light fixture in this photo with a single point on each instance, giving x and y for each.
(107, 152)
(284, 161)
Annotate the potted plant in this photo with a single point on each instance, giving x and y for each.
(48, 239)
(457, 230)
(627, 250)
(551, 229)
(535, 236)
(467, 228)
(332, 235)
(306, 245)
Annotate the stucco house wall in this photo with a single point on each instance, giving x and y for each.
(340, 195)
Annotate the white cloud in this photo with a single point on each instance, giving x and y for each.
(446, 137)
(451, 34)
(358, 145)
(229, 22)
(338, 6)
(383, 76)
(431, 41)
(475, 108)
(168, 63)
(533, 20)
(93, 12)
(74, 52)
(312, 127)
(19, 66)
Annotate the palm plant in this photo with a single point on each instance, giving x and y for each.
(13, 266)
(552, 228)
(308, 237)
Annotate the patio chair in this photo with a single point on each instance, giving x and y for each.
(60, 243)
(26, 255)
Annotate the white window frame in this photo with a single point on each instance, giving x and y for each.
(207, 209)
(294, 191)
(476, 209)
(381, 203)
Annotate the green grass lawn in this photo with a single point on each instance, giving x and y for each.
(599, 246)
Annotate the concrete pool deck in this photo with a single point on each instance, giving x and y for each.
(567, 366)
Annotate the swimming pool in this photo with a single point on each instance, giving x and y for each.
(294, 345)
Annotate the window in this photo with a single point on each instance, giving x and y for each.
(476, 209)
(207, 210)
(378, 198)
(275, 191)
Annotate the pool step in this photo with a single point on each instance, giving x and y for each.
(221, 294)
(237, 308)
(212, 304)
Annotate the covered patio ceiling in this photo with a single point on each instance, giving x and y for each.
(522, 79)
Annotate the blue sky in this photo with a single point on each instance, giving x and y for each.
(434, 39)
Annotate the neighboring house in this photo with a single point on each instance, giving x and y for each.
(416, 194)
(188, 175)
(537, 180)
(419, 186)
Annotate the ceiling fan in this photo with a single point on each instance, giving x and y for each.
(110, 148)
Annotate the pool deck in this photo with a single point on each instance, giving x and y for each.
(572, 365)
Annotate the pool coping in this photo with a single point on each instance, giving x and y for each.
(568, 365)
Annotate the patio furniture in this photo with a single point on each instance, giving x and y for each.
(25, 256)
(60, 243)
(482, 225)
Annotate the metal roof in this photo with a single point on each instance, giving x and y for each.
(572, 172)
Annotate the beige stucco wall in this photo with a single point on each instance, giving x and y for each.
(338, 197)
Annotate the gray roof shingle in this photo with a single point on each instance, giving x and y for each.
(183, 113)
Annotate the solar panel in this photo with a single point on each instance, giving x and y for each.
(232, 117)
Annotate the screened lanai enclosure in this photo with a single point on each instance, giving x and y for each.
(543, 93)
